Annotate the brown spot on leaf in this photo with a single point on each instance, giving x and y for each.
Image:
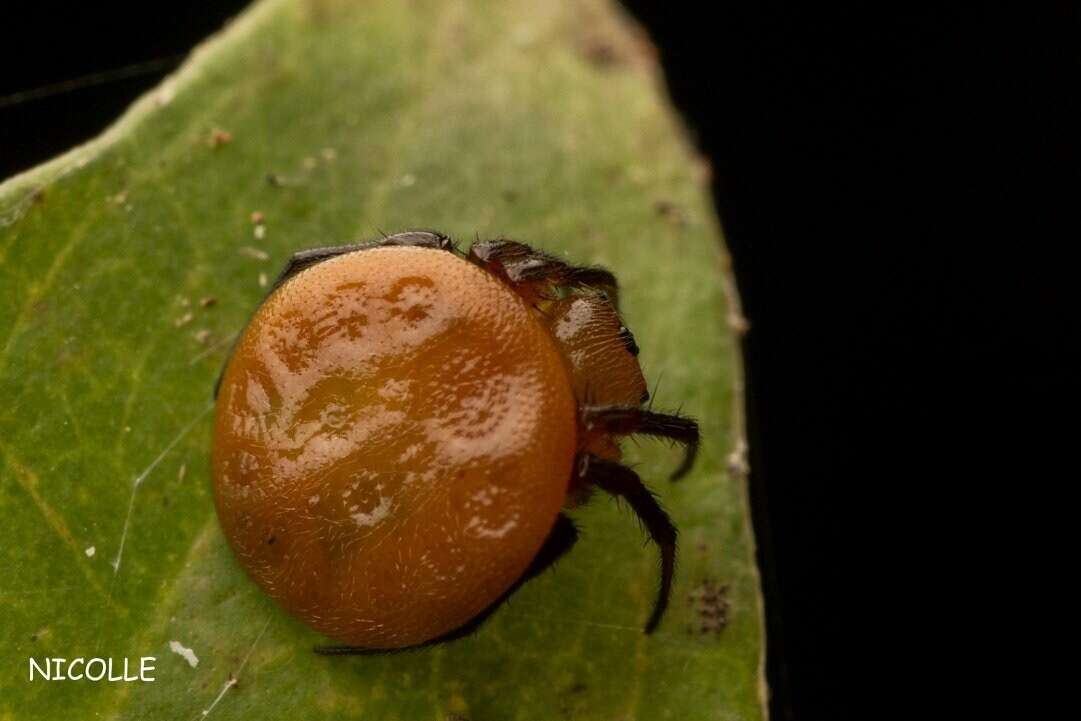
(571, 704)
(607, 44)
(670, 211)
(710, 601)
(219, 137)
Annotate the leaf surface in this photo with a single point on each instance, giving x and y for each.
(128, 265)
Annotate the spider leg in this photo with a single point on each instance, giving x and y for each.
(629, 420)
(560, 539)
(622, 482)
(304, 259)
(518, 264)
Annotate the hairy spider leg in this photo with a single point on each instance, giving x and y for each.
(520, 265)
(632, 420)
(621, 482)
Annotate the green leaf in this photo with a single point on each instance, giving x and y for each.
(127, 265)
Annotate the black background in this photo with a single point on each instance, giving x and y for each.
(882, 181)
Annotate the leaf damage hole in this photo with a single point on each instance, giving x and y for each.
(184, 652)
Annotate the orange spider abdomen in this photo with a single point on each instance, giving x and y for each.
(394, 438)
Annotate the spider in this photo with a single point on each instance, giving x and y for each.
(401, 426)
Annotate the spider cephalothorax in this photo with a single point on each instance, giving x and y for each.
(401, 425)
